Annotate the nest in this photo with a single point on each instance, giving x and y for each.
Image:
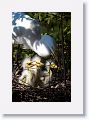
(56, 91)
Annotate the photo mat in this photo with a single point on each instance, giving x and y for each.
(76, 58)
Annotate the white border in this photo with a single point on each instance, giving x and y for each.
(76, 104)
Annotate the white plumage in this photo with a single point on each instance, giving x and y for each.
(27, 31)
(31, 71)
(46, 75)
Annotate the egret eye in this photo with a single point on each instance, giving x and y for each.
(29, 63)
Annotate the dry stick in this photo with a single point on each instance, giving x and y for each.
(62, 40)
(63, 62)
(58, 46)
(49, 84)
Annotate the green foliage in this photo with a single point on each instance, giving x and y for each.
(51, 25)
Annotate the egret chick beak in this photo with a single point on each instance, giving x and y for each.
(39, 64)
(53, 66)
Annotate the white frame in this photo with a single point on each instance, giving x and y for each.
(76, 104)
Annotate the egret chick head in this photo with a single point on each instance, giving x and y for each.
(26, 62)
(37, 61)
(50, 64)
(29, 64)
(53, 65)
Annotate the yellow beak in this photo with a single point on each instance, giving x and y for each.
(53, 66)
(39, 64)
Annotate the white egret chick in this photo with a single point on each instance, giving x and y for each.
(47, 75)
(26, 77)
(31, 71)
(36, 60)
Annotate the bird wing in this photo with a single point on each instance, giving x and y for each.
(25, 26)
(49, 42)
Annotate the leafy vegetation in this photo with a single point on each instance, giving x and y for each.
(58, 25)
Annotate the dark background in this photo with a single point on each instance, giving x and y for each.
(58, 25)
